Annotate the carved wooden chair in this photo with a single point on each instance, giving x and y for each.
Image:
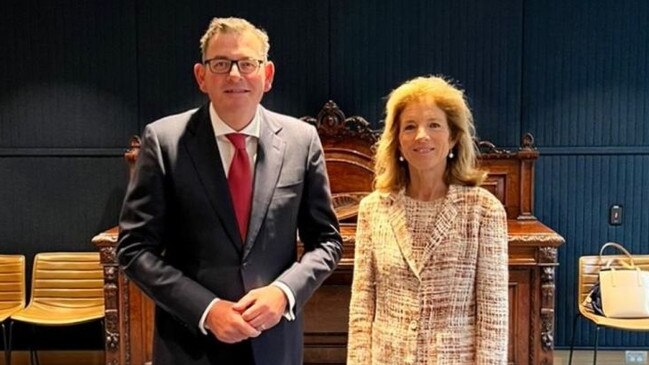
(348, 144)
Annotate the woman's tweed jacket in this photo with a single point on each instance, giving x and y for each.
(452, 311)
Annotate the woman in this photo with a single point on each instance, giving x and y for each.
(430, 272)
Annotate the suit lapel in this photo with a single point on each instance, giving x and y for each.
(443, 223)
(270, 156)
(397, 219)
(204, 153)
(445, 264)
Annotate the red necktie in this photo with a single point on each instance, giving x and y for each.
(240, 182)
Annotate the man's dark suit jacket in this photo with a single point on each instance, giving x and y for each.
(180, 243)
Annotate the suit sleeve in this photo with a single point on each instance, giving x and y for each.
(492, 286)
(143, 223)
(363, 299)
(317, 227)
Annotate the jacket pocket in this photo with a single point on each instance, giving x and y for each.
(456, 347)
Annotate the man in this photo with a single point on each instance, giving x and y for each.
(209, 222)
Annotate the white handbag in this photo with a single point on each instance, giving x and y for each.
(624, 290)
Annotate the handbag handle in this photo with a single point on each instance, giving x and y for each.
(620, 248)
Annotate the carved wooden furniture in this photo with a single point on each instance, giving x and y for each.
(348, 145)
(129, 313)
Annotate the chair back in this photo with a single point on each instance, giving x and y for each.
(71, 280)
(348, 145)
(589, 267)
(12, 284)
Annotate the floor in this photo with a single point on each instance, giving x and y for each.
(58, 358)
(97, 357)
(586, 357)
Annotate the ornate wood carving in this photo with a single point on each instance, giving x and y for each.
(111, 302)
(126, 320)
(548, 256)
(332, 124)
(116, 285)
(547, 308)
(527, 142)
(488, 148)
(131, 154)
(106, 244)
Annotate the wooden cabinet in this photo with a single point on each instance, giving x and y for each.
(348, 149)
(129, 313)
(532, 259)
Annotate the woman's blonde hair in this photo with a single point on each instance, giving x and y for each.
(393, 176)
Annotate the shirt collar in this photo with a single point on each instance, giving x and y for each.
(221, 128)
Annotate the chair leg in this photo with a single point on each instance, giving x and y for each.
(4, 342)
(572, 340)
(7, 339)
(33, 354)
(102, 332)
(596, 341)
(33, 357)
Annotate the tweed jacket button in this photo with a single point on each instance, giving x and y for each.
(413, 325)
(410, 359)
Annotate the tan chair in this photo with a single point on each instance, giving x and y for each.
(589, 267)
(67, 289)
(12, 294)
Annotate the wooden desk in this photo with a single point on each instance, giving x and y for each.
(348, 149)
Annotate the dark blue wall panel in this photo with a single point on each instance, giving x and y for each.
(168, 47)
(586, 72)
(376, 45)
(68, 74)
(58, 203)
(586, 99)
(573, 195)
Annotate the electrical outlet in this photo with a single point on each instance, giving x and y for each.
(615, 215)
(635, 357)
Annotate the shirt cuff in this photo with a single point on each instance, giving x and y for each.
(201, 324)
(289, 313)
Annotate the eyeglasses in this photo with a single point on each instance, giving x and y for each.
(224, 65)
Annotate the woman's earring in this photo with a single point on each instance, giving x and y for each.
(400, 158)
(451, 155)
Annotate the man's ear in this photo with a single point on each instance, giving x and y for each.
(269, 73)
(199, 74)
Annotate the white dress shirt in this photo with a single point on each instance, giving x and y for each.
(226, 150)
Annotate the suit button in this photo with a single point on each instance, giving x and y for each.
(410, 359)
(245, 264)
(413, 325)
